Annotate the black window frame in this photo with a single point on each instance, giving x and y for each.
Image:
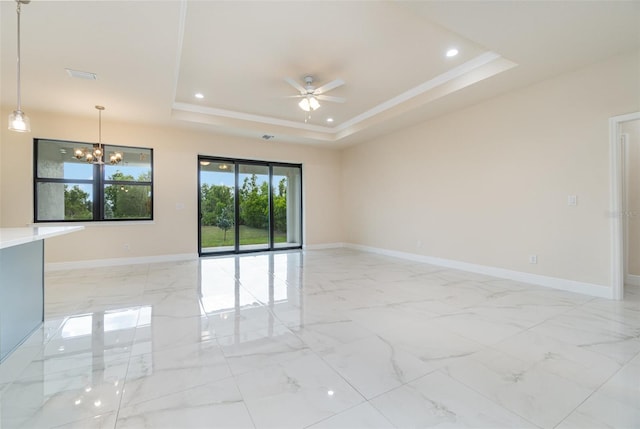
(98, 184)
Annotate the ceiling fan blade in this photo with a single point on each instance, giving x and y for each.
(296, 85)
(294, 96)
(329, 86)
(331, 98)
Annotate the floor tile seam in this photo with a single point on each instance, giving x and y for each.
(336, 372)
(366, 401)
(488, 398)
(124, 385)
(244, 400)
(402, 384)
(599, 353)
(603, 318)
(235, 379)
(531, 328)
(593, 392)
(405, 350)
(16, 377)
(317, 351)
(80, 420)
(535, 365)
(271, 364)
(75, 309)
(466, 338)
(173, 392)
(32, 378)
(246, 289)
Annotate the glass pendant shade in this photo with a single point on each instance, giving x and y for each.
(19, 122)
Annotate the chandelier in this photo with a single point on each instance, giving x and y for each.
(96, 154)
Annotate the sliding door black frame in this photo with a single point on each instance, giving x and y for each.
(236, 162)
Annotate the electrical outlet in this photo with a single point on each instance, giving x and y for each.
(419, 244)
(127, 247)
(533, 259)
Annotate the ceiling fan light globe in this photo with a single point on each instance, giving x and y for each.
(313, 103)
(304, 105)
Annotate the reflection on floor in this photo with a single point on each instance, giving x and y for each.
(333, 338)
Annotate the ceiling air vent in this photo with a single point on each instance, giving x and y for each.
(81, 74)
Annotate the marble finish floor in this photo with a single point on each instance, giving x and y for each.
(321, 339)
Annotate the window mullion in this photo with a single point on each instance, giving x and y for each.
(97, 192)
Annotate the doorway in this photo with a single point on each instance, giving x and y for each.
(248, 206)
(625, 202)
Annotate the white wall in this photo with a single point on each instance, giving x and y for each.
(632, 129)
(488, 185)
(173, 232)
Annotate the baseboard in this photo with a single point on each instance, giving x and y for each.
(536, 279)
(632, 280)
(323, 246)
(112, 262)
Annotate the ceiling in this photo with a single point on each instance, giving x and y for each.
(151, 57)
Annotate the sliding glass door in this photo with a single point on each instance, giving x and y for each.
(248, 206)
(286, 191)
(217, 206)
(253, 198)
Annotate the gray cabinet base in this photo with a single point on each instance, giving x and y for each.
(21, 294)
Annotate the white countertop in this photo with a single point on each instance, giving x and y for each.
(15, 236)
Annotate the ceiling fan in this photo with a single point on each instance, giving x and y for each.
(310, 95)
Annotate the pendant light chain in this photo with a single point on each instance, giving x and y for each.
(100, 109)
(18, 9)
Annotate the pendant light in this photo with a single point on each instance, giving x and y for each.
(18, 120)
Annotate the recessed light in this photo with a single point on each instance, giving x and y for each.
(199, 95)
(452, 52)
(329, 119)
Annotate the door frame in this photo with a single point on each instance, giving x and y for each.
(617, 203)
(236, 162)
